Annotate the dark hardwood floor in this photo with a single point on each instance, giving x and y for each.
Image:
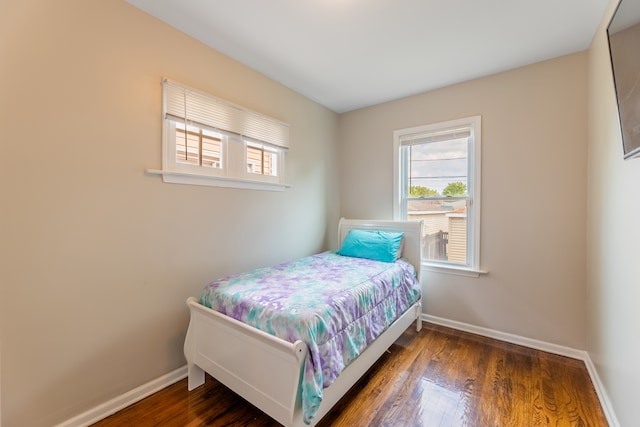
(436, 378)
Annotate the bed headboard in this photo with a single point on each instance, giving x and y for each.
(412, 249)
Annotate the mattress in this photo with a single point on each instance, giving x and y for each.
(337, 305)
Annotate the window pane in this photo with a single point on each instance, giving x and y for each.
(187, 147)
(438, 168)
(261, 160)
(444, 228)
(254, 160)
(198, 146)
(270, 163)
(211, 150)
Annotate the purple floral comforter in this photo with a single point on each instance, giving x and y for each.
(337, 305)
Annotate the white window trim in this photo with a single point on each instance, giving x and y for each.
(215, 181)
(245, 125)
(473, 226)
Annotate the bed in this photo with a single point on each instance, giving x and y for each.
(287, 377)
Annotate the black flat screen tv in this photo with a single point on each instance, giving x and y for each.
(623, 34)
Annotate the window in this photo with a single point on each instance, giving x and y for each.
(199, 147)
(261, 160)
(437, 180)
(209, 141)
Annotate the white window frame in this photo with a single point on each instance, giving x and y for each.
(236, 126)
(400, 190)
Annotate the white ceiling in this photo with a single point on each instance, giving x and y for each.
(348, 54)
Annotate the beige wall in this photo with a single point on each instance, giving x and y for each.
(96, 257)
(533, 194)
(613, 288)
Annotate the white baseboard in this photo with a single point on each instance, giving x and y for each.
(114, 405)
(602, 393)
(605, 402)
(503, 336)
(102, 411)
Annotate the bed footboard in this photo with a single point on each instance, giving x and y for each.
(263, 369)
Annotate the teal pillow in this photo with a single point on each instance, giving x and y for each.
(375, 245)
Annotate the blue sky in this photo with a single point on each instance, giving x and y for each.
(436, 164)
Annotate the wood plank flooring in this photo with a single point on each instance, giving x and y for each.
(436, 378)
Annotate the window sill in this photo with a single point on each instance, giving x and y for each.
(452, 269)
(215, 181)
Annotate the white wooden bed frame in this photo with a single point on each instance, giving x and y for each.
(266, 370)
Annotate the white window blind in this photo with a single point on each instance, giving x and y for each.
(195, 108)
(435, 136)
